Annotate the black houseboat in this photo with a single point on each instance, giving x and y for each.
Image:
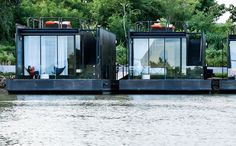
(63, 55)
(165, 58)
(55, 56)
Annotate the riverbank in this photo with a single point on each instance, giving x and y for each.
(3, 91)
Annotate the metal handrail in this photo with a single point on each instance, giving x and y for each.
(145, 26)
(38, 22)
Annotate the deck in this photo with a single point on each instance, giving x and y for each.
(80, 86)
(57, 86)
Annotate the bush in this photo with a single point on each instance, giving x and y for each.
(221, 75)
(7, 53)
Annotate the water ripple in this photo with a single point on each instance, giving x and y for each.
(118, 120)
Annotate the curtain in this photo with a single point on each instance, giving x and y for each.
(62, 53)
(48, 54)
(31, 53)
(55, 51)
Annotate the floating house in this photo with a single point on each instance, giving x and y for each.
(58, 55)
(62, 55)
(230, 84)
(165, 58)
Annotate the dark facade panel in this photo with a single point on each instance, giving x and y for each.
(106, 54)
(88, 42)
(165, 85)
(194, 52)
(28, 85)
(227, 85)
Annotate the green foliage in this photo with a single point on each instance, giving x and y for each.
(232, 10)
(119, 17)
(7, 54)
(215, 57)
(121, 52)
(221, 75)
(7, 20)
(7, 75)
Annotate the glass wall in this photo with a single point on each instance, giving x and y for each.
(71, 59)
(161, 58)
(31, 53)
(48, 54)
(184, 57)
(172, 57)
(232, 70)
(140, 54)
(157, 58)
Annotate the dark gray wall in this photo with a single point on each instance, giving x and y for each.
(106, 54)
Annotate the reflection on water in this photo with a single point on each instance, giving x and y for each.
(118, 120)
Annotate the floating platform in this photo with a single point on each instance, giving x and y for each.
(171, 86)
(227, 86)
(80, 86)
(36, 86)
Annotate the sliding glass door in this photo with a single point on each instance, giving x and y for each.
(161, 58)
(232, 70)
(172, 57)
(157, 58)
(140, 58)
(50, 53)
(31, 53)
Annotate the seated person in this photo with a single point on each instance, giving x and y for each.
(32, 72)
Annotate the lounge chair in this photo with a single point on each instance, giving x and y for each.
(58, 71)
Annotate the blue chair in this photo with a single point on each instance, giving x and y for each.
(58, 71)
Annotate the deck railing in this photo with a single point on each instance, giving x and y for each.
(150, 26)
(39, 22)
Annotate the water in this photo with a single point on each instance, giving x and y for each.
(136, 120)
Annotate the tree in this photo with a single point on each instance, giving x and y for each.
(121, 52)
(7, 20)
(232, 10)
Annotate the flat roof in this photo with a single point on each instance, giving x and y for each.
(29, 31)
(157, 34)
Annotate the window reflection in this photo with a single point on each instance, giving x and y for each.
(70, 55)
(232, 70)
(233, 50)
(157, 58)
(172, 57)
(140, 58)
(184, 57)
(162, 58)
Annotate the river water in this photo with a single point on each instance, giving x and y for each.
(136, 120)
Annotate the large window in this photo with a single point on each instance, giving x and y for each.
(157, 58)
(31, 53)
(49, 53)
(161, 58)
(232, 70)
(172, 57)
(141, 55)
(184, 57)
